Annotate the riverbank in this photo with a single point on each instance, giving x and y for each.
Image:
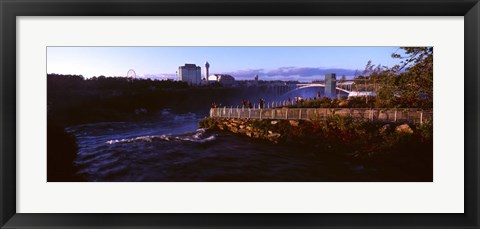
(398, 151)
(62, 149)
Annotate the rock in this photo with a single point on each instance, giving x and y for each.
(235, 121)
(273, 122)
(249, 133)
(242, 131)
(404, 128)
(270, 132)
(242, 126)
(249, 128)
(293, 122)
(234, 129)
(274, 135)
(384, 128)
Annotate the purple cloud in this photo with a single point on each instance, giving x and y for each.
(246, 74)
(292, 73)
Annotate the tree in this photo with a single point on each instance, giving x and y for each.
(409, 83)
(418, 75)
(366, 72)
(355, 79)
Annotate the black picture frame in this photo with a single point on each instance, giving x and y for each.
(10, 9)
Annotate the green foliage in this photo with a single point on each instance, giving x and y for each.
(408, 84)
(261, 125)
(208, 123)
(360, 102)
(425, 131)
(324, 102)
(72, 99)
(353, 102)
(74, 82)
(411, 82)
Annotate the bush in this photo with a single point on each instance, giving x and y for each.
(208, 123)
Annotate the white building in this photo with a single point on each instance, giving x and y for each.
(360, 94)
(190, 73)
(224, 79)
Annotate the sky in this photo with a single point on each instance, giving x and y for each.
(270, 63)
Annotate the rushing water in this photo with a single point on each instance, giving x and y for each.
(172, 148)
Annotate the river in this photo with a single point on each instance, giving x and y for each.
(170, 147)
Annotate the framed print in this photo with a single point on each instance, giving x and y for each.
(254, 114)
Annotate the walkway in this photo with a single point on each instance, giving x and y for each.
(411, 115)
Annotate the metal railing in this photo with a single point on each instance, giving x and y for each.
(412, 115)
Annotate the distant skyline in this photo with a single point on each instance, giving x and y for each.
(270, 63)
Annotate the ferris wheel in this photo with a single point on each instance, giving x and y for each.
(131, 74)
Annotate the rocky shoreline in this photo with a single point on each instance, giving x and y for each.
(243, 127)
(280, 130)
(399, 151)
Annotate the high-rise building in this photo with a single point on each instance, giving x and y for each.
(207, 66)
(330, 85)
(190, 73)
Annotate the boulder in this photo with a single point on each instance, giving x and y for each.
(236, 121)
(273, 122)
(293, 122)
(274, 135)
(404, 128)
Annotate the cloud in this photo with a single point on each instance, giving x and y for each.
(246, 74)
(292, 73)
(306, 72)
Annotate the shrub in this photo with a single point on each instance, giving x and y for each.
(209, 123)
